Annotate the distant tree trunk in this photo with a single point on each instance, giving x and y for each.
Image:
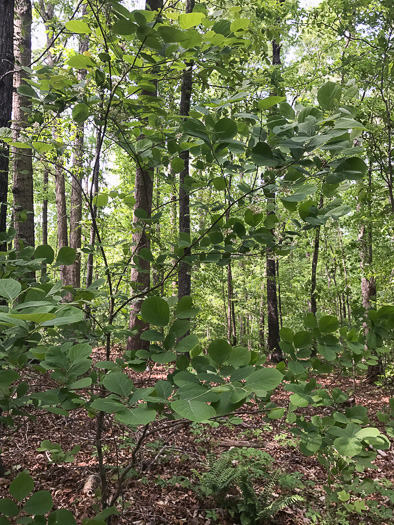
(272, 299)
(76, 189)
(61, 209)
(6, 82)
(140, 272)
(262, 319)
(346, 298)
(93, 192)
(45, 215)
(368, 281)
(184, 278)
(231, 327)
(22, 158)
(315, 259)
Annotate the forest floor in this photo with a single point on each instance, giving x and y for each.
(163, 487)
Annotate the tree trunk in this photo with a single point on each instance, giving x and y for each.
(231, 327)
(22, 158)
(184, 278)
(272, 300)
(140, 272)
(61, 209)
(93, 192)
(76, 189)
(6, 82)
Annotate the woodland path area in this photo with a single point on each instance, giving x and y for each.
(162, 487)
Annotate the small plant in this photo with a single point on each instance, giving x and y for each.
(55, 454)
(230, 483)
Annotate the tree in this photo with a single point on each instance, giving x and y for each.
(22, 158)
(6, 71)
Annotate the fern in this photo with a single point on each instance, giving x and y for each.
(252, 508)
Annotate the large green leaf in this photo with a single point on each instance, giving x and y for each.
(118, 383)
(44, 252)
(66, 255)
(187, 343)
(10, 289)
(193, 410)
(225, 129)
(80, 112)
(262, 155)
(155, 310)
(328, 323)
(110, 405)
(264, 380)
(142, 415)
(39, 503)
(348, 446)
(8, 507)
(68, 315)
(61, 517)
(268, 102)
(329, 95)
(188, 20)
(79, 27)
(185, 309)
(219, 350)
(21, 486)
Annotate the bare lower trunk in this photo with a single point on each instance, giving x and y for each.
(76, 208)
(93, 211)
(22, 158)
(61, 209)
(231, 327)
(272, 313)
(184, 278)
(6, 67)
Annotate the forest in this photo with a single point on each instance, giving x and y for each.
(196, 262)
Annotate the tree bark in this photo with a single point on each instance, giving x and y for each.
(140, 272)
(184, 278)
(6, 82)
(22, 158)
(93, 192)
(76, 189)
(61, 210)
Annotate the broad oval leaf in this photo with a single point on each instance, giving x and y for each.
(118, 383)
(155, 310)
(219, 350)
(21, 486)
(264, 380)
(137, 416)
(39, 503)
(80, 112)
(44, 251)
(329, 95)
(10, 289)
(79, 27)
(197, 411)
(66, 255)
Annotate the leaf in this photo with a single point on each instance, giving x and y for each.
(329, 95)
(193, 410)
(7, 377)
(80, 112)
(118, 383)
(268, 102)
(177, 165)
(79, 27)
(219, 350)
(10, 289)
(61, 517)
(42, 147)
(187, 343)
(101, 200)
(124, 27)
(110, 405)
(69, 315)
(164, 357)
(137, 416)
(44, 251)
(328, 323)
(180, 327)
(27, 91)
(188, 20)
(352, 168)
(240, 24)
(39, 503)
(263, 380)
(34, 318)
(156, 311)
(8, 507)
(302, 339)
(185, 309)
(80, 61)
(262, 155)
(348, 446)
(21, 486)
(152, 335)
(66, 255)
(225, 129)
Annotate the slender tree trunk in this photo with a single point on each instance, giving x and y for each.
(140, 272)
(231, 327)
(45, 215)
(262, 319)
(76, 189)
(61, 209)
(6, 82)
(22, 158)
(184, 278)
(272, 299)
(93, 192)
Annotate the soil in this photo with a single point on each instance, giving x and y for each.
(161, 489)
